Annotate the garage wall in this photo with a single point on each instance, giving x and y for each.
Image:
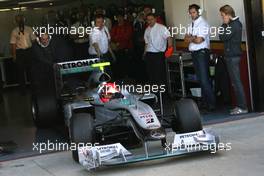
(177, 12)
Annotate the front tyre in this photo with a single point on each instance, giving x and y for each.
(81, 131)
(188, 118)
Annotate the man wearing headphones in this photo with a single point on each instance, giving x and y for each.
(99, 39)
(100, 42)
(148, 9)
(21, 42)
(198, 38)
(108, 22)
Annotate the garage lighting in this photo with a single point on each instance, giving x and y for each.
(33, 2)
(4, 10)
(19, 8)
(37, 8)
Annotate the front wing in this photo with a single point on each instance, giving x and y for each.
(116, 154)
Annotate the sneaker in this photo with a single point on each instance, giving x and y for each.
(239, 111)
(234, 109)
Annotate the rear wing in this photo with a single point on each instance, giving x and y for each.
(80, 66)
(64, 69)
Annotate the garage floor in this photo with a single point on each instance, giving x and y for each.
(246, 158)
(16, 125)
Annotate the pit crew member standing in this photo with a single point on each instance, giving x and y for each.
(232, 42)
(100, 42)
(148, 10)
(99, 39)
(45, 54)
(121, 35)
(21, 42)
(199, 45)
(156, 39)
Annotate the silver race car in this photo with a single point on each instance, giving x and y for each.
(94, 109)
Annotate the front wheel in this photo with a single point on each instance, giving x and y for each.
(188, 118)
(81, 131)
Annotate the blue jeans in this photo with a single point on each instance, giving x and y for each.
(233, 67)
(201, 64)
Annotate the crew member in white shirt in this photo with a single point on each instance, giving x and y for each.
(100, 42)
(99, 39)
(21, 42)
(199, 45)
(157, 37)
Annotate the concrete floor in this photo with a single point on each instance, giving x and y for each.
(245, 158)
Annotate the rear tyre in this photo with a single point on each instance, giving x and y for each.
(81, 131)
(188, 118)
(45, 110)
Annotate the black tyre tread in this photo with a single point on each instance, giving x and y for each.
(188, 118)
(46, 110)
(81, 131)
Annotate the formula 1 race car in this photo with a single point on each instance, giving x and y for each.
(95, 109)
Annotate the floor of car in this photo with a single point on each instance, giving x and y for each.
(18, 131)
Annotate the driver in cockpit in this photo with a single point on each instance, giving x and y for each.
(108, 91)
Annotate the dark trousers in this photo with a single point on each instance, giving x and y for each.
(122, 67)
(23, 62)
(233, 67)
(201, 64)
(81, 51)
(222, 84)
(1, 90)
(140, 72)
(155, 66)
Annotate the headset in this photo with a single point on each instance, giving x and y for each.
(93, 22)
(200, 12)
(43, 46)
(197, 8)
(21, 16)
(104, 12)
(153, 10)
(21, 26)
(125, 16)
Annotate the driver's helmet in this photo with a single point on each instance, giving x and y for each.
(108, 91)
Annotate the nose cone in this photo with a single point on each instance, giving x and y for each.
(158, 134)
